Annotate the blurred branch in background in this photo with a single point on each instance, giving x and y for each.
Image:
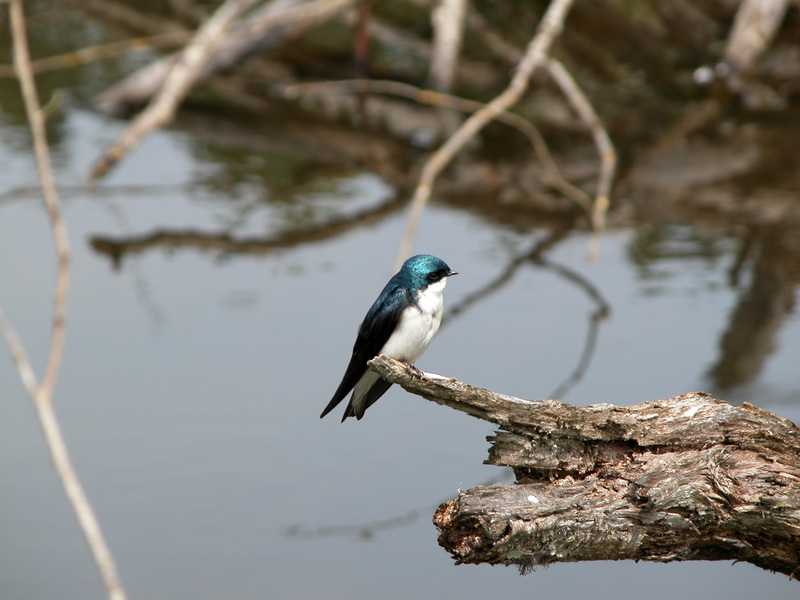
(90, 54)
(448, 31)
(552, 173)
(180, 80)
(550, 27)
(596, 210)
(217, 45)
(605, 147)
(753, 31)
(42, 391)
(673, 43)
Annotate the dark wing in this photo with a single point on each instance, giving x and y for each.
(376, 328)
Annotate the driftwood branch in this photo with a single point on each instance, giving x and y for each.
(264, 28)
(582, 106)
(605, 147)
(687, 478)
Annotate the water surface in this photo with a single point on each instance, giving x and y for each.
(194, 376)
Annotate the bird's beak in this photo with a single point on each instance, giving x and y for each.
(451, 273)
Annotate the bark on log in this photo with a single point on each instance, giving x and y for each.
(687, 478)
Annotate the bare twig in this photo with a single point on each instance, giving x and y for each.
(37, 123)
(19, 356)
(265, 27)
(550, 27)
(42, 393)
(580, 103)
(605, 147)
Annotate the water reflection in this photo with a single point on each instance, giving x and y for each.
(765, 271)
(773, 254)
(537, 256)
(212, 399)
(601, 311)
(369, 530)
(660, 251)
(224, 243)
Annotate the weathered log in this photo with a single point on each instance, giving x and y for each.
(687, 478)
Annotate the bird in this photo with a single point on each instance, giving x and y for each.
(400, 324)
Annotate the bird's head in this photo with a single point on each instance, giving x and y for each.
(422, 270)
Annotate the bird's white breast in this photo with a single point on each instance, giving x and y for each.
(418, 324)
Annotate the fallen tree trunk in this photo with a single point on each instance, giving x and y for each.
(688, 478)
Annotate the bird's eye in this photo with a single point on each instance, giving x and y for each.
(436, 276)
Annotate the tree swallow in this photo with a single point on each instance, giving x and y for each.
(400, 324)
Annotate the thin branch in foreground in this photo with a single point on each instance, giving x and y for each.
(550, 27)
(686, 478)
(42, 393)
(22, 61)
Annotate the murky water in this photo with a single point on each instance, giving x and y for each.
(194, 376)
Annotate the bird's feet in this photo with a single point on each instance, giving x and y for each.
(413, 371)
